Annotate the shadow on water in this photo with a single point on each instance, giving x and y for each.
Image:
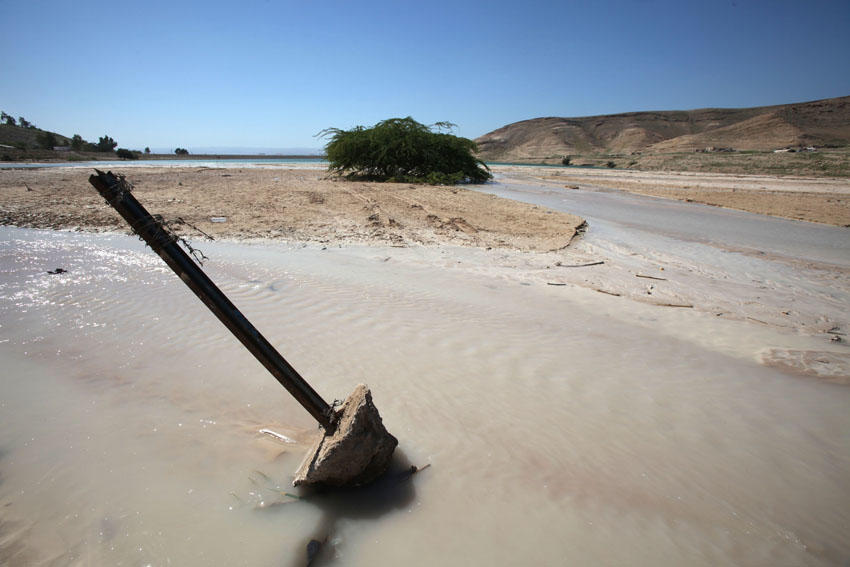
(391, 492)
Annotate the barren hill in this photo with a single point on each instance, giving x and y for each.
(820, 122)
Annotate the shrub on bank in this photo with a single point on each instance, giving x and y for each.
(124, 153)
(403, 150)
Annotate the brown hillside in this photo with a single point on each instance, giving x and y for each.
(26, 137)
(761, 132)
(763, 128)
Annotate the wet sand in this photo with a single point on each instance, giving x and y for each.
(773, 272)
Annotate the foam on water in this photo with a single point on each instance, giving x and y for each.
(561, 428)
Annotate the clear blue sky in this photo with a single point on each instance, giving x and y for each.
(273, 73)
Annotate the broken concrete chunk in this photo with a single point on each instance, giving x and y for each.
(356, 453)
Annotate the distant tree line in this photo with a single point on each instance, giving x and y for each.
(48, 140)
(104, 144)
(9, 120)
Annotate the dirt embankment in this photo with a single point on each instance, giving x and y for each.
(288, 204)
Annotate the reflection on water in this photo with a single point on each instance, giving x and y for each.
(559, 429)
(394, 491)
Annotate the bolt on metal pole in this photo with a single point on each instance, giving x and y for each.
(116, 191)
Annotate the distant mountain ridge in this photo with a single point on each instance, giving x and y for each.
(820, 122)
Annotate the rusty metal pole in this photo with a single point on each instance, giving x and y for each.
(116, 191)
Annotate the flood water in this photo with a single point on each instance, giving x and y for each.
(692, 222)
(560, 428)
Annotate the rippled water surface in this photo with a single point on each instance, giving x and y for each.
(558, 432)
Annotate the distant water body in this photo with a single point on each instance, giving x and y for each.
(302, 163)
(225, 163)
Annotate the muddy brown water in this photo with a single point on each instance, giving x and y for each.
(558, 430)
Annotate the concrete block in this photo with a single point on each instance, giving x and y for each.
(357, 452)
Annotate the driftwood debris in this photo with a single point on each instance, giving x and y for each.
(578, 265)
(607, 292)
(650, 277)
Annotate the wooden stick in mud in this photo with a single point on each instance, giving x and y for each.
(580, 265)
(607, 292)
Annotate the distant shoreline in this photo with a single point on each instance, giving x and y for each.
(826, 163)
(14, 155)
(231, 156)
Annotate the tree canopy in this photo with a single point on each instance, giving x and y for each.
(124, 153)
(47, 140)
(106, 144)
(402, 149)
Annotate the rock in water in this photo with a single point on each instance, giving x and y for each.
(356, 453)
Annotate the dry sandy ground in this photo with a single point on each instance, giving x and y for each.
(822, 200)
(285, 203)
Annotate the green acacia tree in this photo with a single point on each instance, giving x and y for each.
(402, 149)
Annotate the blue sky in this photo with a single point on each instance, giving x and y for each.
(271, 74)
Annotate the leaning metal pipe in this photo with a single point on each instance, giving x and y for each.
(116, 191)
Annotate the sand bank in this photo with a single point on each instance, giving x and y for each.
(285, 203)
